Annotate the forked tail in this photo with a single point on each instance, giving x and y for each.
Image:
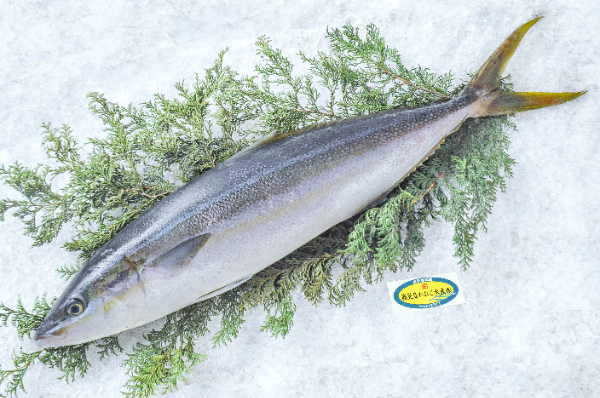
(486, 84)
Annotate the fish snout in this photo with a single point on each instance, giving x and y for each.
(46, 337)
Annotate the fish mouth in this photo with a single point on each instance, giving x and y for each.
(49, 340)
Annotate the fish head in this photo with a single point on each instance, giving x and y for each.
(102, 299)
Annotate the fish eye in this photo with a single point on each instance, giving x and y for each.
(75, 307)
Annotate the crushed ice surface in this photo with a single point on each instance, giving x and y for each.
(530, 324)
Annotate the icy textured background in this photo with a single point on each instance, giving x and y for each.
(530, 325)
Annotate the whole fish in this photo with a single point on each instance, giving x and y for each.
(263, 203)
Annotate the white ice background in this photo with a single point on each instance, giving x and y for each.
(530, 325)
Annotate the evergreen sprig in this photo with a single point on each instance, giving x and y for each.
(69, 360)
(24, 321)
(148, 151)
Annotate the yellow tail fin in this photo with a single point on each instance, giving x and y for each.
(486, 83)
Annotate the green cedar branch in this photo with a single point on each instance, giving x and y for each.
(150, 150)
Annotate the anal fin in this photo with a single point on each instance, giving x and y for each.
(382, 198)
(225, 288)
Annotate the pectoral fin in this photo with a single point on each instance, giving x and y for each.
(165, 242)
(180, 256)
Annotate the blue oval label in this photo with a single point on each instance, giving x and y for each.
(426, 292)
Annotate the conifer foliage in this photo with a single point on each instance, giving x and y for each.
(149, 150)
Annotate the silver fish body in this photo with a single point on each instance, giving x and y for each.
(248, 212)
